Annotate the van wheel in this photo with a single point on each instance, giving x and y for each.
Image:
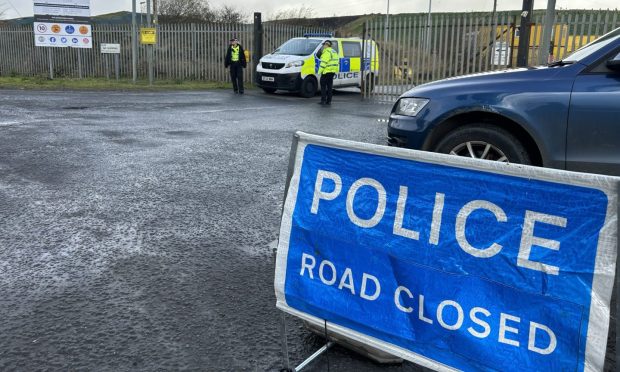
(308, 87)
(269, 90)
(484, 141)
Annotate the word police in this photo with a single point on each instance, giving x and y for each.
(323, 193)
(347, 75)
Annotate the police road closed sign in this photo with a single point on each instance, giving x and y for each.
(449, 262)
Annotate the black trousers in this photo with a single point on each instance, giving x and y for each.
(327, 84)
(236, 75)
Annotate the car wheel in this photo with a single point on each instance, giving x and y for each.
(308, 87)
(484, 141)
(269, 90)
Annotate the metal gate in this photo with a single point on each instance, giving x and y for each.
(416, 49)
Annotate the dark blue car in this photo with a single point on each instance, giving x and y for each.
(565, 115)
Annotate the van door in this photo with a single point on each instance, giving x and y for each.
(336, 47)
(351, 63)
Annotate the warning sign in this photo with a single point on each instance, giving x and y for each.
(148, 36)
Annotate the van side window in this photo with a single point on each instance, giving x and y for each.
(351, 49)
(335, 46)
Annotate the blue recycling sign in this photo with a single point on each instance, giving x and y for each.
(448, 262)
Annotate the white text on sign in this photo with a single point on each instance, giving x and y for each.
(530, 219)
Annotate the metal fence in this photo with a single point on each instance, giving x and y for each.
(414, 50)
(183, 51)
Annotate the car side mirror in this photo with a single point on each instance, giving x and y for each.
(613, 64)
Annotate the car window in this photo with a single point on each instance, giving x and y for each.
(601, 66)
(335, 46)
(351, 49)
(319, 50)
(593, 46)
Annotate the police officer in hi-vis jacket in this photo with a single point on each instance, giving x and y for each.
(235, 59)
(330, 63)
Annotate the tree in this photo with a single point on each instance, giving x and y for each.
(302, 11)
(187, 11)
(180, 11)
(3, 10)
(229, 14)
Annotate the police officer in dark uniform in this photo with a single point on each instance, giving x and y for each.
(235, 59)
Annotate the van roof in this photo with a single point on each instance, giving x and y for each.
(333, 38)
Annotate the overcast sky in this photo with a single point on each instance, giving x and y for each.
(326, 8)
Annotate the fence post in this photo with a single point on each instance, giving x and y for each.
(543, 54)
(134, 43)
(257, 53)
(524, 33)
(512, 39)
(363, 61)
(149, 48)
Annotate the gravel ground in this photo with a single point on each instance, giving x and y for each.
(136, 229)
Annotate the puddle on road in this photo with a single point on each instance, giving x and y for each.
(8, 123)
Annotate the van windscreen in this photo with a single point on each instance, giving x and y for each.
(298, 47)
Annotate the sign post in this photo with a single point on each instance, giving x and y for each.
(448, 262)
(148, 37)
(49, 57)
(114, 49)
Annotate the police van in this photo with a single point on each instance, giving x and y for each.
(295, 64)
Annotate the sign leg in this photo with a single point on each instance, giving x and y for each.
(116, 67)
(79, 55)
(284, 343)
(49, 57)
(617, 285)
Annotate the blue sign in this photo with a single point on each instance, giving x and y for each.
(52, 39)
(446, 261)
(63, 40)
(345, 65)
(74, 40)
(69, 29)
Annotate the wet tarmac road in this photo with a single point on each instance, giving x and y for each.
(136, 229)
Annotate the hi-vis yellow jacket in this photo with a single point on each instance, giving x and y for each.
(330, 61)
